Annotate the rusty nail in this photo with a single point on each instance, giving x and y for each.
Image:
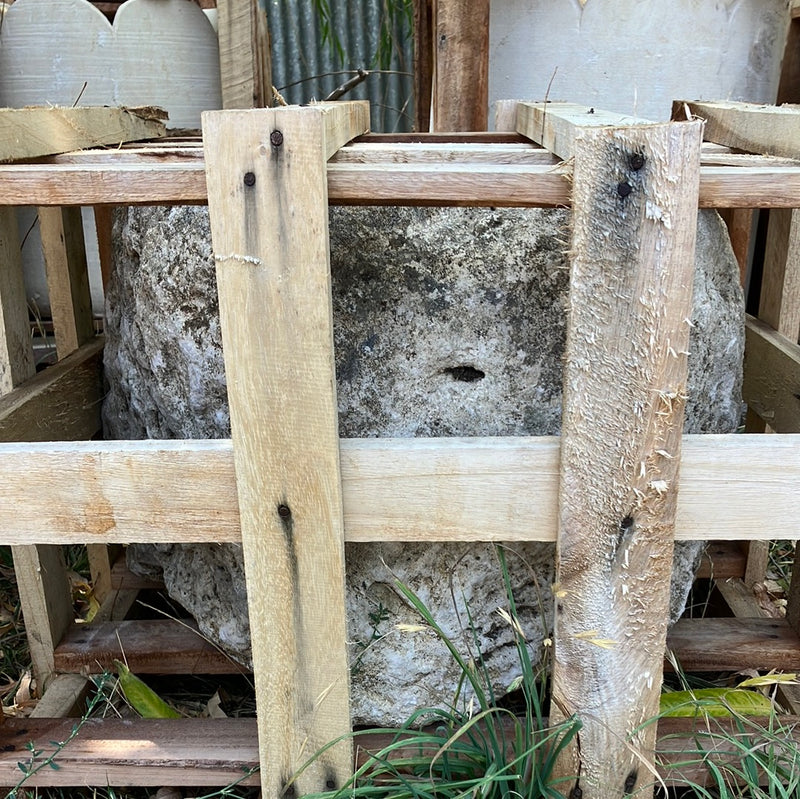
(276, 138)
(249, 179)
(284, 512)
(624, 189)
(636, 161)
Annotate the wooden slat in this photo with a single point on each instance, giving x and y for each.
(772, 377)
(244, 56)
(763, 129)
(16, 351)
(625, 371)
(262, 166)
(461, 65)
(731, 644)
(32, 132)
(64, 252)
(423, 63)
(722, 559)
(142, 752)
(217, 752)
(161, 646)
(178, 182)
(553, 125)
(779, 304)
(65, 696)
(393, 490)
(62, 403)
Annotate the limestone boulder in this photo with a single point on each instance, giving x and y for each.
(447, 322)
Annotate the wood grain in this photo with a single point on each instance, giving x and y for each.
(32, 132)
(392, 490)
(61, 403)
(461, 65)
(273, 269)
(779, 304)
(756, 128)
(632, 260)
(772, 376)
(64, 252)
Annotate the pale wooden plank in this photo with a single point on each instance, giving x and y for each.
(505, 115)
(65, 696)
(391, 153)
(779, 305)
(756, 128)
(60, 403)
(461, 65)
(175, 180)
(625, 372)
(46, 601)
(141, 752)
(772, 376)
(32, 132)
(244, 56)
(67, 277)
(555, 125)
(261, 166)
(392, 490)
(16, 350)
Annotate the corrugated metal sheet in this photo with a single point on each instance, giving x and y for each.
(305, 68)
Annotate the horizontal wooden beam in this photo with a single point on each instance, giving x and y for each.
(33, 132)
(772, 376)
(61, 403)
(756, 128)
(217, 752)
(177, 178)
(728, 644)
(393, 489)
(160, 646)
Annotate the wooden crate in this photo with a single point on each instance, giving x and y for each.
(294, 502)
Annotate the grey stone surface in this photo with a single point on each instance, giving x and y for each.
(447, 322)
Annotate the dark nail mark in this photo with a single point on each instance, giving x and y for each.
(284, 512)
(276, 138)
(626, 524)
(465, 374)
(624, 189)
(636, 161)
(249, 179)
(330, 781)
(630, 782)
(289, 791)
(576, 792)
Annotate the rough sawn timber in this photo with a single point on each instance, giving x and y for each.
(268, 206)
(635, 196)
(35, 131)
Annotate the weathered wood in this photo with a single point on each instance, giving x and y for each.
(423, 63)
(757, 562)
(16, 351)
(161, 646)
(62, 403)
(244, 54)
(740, 598)
(721, 559)
(262, 166)
(65, 696)
(553, 125)
(46, 603)
(740, 224)
(142, 752)
(32, 132)
(178, 180)
(632, 256)
(392, 490)
(728, 644)
(779, 305)
(64, 252)
(772, 376)
(756, 128)
(461, 65)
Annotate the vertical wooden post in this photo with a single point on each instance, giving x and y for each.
(40, 571)
(64, 252)
(268, 202)
(244, 54)
(423, 64)
(461, 58)
(635, 195)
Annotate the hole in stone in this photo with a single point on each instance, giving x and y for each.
(465, 374)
